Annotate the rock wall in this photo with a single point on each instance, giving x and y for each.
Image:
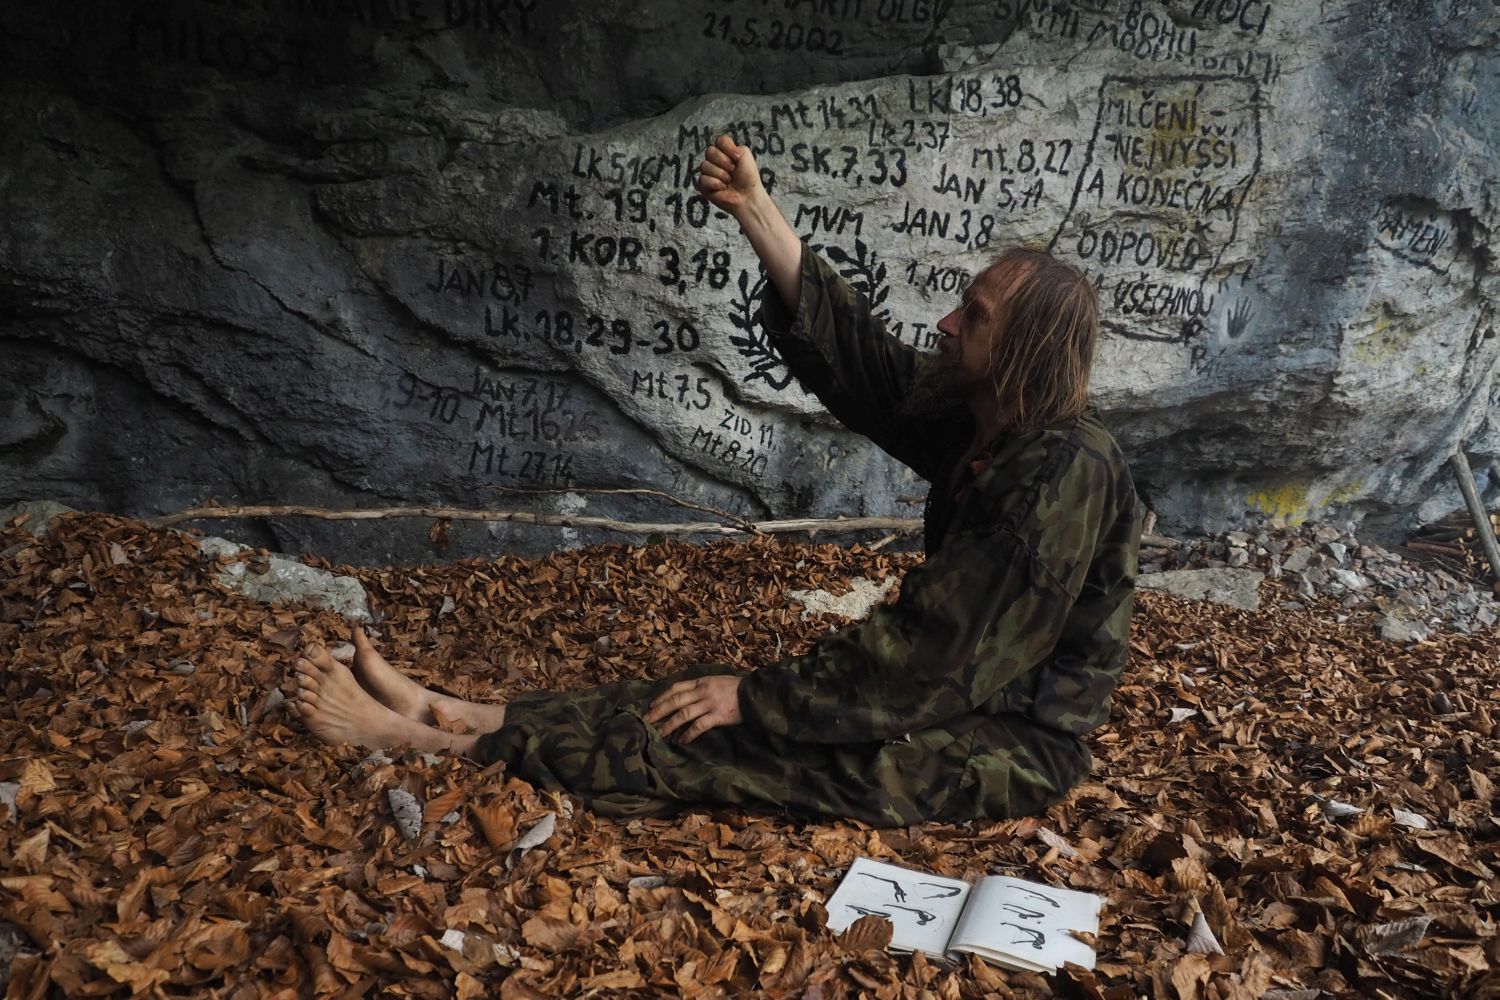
(376, 252)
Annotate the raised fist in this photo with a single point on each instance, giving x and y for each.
(728, 176)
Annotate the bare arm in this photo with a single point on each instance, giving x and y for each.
(730, 180)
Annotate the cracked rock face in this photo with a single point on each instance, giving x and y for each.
(387, 252)
(280, 579)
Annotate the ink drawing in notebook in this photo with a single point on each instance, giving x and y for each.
(1006, 921)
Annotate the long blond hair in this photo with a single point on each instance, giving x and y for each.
(1041, 318)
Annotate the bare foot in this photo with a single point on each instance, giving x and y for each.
(337, 710)
(406, 697)
(478, 716)
(399, 692)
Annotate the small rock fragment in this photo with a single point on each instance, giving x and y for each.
(647, 882)
(1325, 533)
(1334, 809)
(1056, 842)
(39, 515)
(8, 790)
(537, 835)
(1238, 588)
(343, 652)
(279, 578)
(1296, 561)
(1201, 940)
(1410, 819)
(1350, 579)
(452, 938)
(1393, 628)
(12, 941)
(1394, 937)
(407, 811)
(856, 605)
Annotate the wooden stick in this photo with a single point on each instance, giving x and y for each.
(900, 525)
(1441, 548)
(636, 490)
(1465, 476)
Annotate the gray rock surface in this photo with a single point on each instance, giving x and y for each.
(38, 515)
(1394, 628)
(1408, 598)
(274, 578)
(1238, 588)
(377, 253)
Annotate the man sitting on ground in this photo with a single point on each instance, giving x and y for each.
(966, 698)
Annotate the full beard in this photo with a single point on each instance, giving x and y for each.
(939, 389)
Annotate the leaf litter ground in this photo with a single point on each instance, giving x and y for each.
(1313, 801)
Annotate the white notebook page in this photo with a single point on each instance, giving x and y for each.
(1013, 918)
(922, 908)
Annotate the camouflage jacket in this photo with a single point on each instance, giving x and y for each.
(1023, 602)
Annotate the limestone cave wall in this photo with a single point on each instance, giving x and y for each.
(378, 252)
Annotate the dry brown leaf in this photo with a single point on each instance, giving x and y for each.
(36, 778)
(1482, 785)
(1188, 976)
(441, 805)
(496, 823)
(112, 960)
(31, 853)
(182, 811)
(1087, 937)
(868, 933)
(466, 987)
(618, 979)
(550, 934)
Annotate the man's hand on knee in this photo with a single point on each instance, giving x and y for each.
(700, 705)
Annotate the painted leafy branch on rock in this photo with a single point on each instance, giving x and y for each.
(765, 364)
(863, 270)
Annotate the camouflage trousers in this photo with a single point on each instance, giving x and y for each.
(595, 744)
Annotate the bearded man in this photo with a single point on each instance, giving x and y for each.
(969, 696)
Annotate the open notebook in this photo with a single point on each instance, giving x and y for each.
(1006, 921)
